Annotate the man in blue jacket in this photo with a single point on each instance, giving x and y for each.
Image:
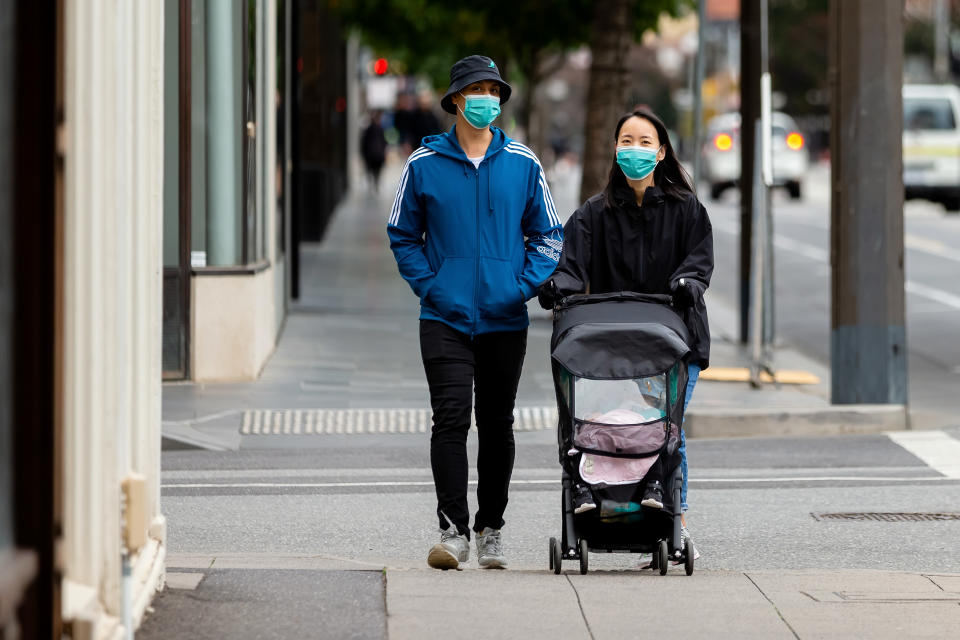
(475, 232)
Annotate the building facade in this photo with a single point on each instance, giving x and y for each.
(225, 211)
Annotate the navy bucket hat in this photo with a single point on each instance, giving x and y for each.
(469, 70)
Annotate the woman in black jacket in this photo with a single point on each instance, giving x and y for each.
(646, 232)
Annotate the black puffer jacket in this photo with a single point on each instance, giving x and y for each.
(619, 246)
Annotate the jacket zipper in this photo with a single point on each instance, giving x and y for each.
(476, 275)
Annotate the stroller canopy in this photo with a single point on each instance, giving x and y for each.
(617, 335)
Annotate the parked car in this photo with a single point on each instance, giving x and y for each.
(721, 154)
(931, 144)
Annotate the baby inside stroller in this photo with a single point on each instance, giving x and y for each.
(620, 369)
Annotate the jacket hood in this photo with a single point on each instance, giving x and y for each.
(446, 143)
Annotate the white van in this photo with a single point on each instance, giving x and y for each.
(931, 143)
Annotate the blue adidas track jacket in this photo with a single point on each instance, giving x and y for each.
(474, 244)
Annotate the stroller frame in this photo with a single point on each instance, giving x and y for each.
(579, 536)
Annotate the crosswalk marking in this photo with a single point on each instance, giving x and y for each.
(937, 449)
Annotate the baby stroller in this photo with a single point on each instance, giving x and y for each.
(620, 372)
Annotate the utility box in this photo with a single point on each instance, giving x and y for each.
(135, 518)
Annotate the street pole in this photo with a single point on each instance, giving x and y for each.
(749, 112)
(941, 41)
(698, 92)
(868, 337)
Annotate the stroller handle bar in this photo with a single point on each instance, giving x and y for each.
(617, 296)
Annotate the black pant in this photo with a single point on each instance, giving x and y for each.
(456, 365)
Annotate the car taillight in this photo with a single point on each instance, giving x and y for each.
(795, 141)
(723, 142)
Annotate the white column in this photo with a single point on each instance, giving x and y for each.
(112, 294)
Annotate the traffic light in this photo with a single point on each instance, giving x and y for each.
(380, 66)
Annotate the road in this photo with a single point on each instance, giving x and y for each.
(801, 250)
(755, 503)
(369, 498)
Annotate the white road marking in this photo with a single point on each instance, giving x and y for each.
(933, 247)
(937, 295)
(818, 254)
(426, 483)
(937, 449)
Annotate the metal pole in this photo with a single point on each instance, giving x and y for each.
(766, 89)
(941, 40)
(698, 92)
(749, 112)
(868, 337)
(756, 276)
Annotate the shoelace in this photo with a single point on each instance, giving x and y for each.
(449, 534)
(491, 544)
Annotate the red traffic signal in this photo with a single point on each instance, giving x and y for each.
(380, 66)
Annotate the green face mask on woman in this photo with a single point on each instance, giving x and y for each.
(637, 162)
(480, 111)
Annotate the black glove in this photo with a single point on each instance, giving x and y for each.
(687, 293)
(548, 295)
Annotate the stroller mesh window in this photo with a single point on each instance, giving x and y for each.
(620, 402)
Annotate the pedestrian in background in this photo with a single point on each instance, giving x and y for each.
(646, 232)
(424, 121)
(373, 148)
(403, 122)
(475, 232)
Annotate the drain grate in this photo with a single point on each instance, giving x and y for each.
(888, 517)
(357, 421)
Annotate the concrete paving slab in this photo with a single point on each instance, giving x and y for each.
(482, 604)
(267, 604)
(860, 604)
(946, 582)
(705, 605)
(182, 580)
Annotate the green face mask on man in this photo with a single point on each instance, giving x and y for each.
(480, 111)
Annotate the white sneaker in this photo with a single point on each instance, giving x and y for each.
(684, 536)
(451, 551)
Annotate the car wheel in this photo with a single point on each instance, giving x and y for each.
(952, 205)
(793, 188)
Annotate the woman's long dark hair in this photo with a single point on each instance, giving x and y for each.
(669, 175)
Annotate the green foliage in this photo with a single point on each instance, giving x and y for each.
(427, 36)
(799, 31)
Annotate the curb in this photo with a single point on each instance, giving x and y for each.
(835, 420)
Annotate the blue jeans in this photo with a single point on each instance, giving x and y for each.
(693, 373)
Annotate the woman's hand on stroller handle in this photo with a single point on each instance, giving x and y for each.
(548, 296)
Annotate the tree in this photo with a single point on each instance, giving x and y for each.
(617, 24)
(606, 96)
(428, 35)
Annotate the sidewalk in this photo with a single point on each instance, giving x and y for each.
(351, 343)
(307, 597)
(349, 352)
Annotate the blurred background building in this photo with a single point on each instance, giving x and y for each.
(254, 162)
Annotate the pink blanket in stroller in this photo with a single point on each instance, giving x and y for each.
(618, 431)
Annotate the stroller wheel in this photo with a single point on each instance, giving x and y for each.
(555, 555)
(688, 552)
(662, 558)
(583, 556)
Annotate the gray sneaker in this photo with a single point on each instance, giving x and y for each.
(490, 549)
(453, 549)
